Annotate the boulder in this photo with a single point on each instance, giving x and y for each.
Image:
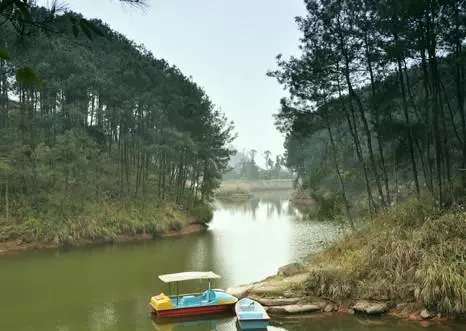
(266, 289)
(239, 292)
(329, 308)
(293, 309)
(371, 307)
(289, 294)
(276, 301)
(414, 317)
(291, 270)
(425, 314)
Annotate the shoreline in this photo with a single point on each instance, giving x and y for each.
(16, 246)
(281, 298)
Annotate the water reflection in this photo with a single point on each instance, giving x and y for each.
(315, 322)
(194, 323)
(107, 288)
(103, 318)
(276, 203)
(266, 231)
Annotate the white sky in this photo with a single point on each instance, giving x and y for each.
(226, 45)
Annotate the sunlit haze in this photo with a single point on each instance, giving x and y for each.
(226, 46)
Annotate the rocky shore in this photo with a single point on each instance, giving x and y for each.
(282, 295)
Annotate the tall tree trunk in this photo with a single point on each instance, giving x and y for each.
(352, 125)
(337, 170)
(7, 201)
(377, 118)
(427, 104)
(433, 73)
(423, 154)
(354, 96)
(408, 124)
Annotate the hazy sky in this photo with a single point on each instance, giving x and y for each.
(226, 45)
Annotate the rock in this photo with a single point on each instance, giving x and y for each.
(294, 309)
(267, 289)
(425, 314)
(239, 292)
(56, 240)
(351, 311)
(371, 307)
(291, 270)
(413, 317)
(329, 308)
(277, 301)
(288, 294)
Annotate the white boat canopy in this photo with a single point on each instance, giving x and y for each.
(189, 275)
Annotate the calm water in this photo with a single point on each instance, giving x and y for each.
(107, 288)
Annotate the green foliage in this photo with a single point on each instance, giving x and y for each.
(203, 212)
(328, 205)
(27, 77)
(107, 124)
(4, 54)
(384, 78)
(313, 178)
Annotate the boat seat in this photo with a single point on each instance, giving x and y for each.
(208, 295)
(251, 315)
(189, 300)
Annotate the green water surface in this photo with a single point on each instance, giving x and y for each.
(107, 288)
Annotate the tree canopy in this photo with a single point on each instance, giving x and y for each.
(378, 94)
(107, 121)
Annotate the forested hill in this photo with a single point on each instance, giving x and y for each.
(377, 99)
(107, 123)
(377, 117)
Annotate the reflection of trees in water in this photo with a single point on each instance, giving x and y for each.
(253, 205)
(272, 202)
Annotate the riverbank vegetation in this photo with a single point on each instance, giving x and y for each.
(377, 100)
(411, 254)
(376, 118)
(108, 141)
(237, 190)
(409, 261)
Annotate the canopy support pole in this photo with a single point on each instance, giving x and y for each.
(208, 292)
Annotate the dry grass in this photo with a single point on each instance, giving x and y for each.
(410, 253)
(100, 222)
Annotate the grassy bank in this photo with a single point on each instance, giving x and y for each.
(410, 254)
(409, 260)
(102, 223)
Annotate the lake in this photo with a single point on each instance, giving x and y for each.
(107, 288)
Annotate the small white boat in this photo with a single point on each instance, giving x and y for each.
(251, 314)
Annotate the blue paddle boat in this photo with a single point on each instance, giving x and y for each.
(179, 305)
(251, 314)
